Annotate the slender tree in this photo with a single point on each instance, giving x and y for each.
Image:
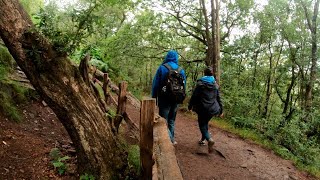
(312, 25)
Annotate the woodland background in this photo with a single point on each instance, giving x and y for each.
(268, 58)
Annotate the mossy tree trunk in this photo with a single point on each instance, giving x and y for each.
(60, 84)
(312, 25)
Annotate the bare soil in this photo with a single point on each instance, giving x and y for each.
(25, 148)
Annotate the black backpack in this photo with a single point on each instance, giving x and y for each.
(173, 87)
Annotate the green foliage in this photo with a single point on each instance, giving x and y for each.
(243, 122)
(112, 113)
(10, 93)
(6, 62)
(87, 177)
(8, 108)
(294, 137)
(51, 24)
(254, 58)
(134, 157)
(58, 162)
(85, 23)
(32, 6)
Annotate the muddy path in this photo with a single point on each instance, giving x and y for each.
(235, 158)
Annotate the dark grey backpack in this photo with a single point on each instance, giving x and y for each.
(174, 88)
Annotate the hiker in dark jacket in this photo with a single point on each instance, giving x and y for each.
(167, 107)
(206, 102)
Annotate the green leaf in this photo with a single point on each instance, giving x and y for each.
(61, 171)
(64, 158)
(58, 164)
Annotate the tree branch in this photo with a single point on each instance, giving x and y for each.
(183, 23)
(307, 15)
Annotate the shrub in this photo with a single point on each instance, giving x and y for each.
(59, 162)
(87, 177)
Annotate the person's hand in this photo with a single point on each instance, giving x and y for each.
(221, 115)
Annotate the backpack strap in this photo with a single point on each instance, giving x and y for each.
(167, 66)
(170, 68)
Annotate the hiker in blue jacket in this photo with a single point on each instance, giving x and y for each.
(167, 106)
(206, 102)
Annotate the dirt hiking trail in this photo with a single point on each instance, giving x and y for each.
(25, 147)
(235, 158)
(239, 159)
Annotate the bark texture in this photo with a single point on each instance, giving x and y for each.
(212, 36)
(312, 24)
(61, 85)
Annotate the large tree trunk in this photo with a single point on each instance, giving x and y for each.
(212, 36)
(312, 24)
(208, 38)
(218, 40)
(60, 84)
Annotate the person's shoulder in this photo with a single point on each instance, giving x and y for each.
(200, 82)
(162, 66)
(180, 68)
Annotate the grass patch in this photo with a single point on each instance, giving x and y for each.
(134, 157)
(133, 151)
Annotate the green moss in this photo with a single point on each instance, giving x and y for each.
(6, 62)
(7, 107)
(10, 95)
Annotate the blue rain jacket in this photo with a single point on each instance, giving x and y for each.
(172, 59)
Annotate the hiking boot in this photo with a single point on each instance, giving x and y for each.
(202, 143)
(175, 143)
(210, 145)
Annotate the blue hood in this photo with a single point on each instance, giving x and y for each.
(172, 56)
(161, 74)
(208, 79)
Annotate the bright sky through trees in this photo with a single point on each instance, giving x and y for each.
(62, 3)
(235, 32)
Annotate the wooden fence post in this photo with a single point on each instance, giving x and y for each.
(122, 102)
(105, 88)
(147, 115)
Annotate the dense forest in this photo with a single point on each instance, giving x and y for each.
(264, 53)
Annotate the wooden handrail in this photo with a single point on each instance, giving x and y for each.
(161, 163)
(154, 129)
(164, 164)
